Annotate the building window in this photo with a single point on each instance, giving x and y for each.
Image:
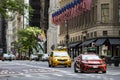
(91, 34)
(105, 33)
(87, 35)
(105, 13)
(95, 34)
(119, 10)
(78, 37)
(72, 39)
(119, 33)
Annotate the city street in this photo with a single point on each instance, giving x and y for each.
(37, 70)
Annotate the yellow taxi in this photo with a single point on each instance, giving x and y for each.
(58, 58)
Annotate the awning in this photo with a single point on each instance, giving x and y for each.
(74, 44)
(87, 42)
(100, 42)
(114, 41)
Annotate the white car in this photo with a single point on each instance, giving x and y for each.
(33, 57)
(8, 56)
(45, 57)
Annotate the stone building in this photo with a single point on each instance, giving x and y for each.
(40, 15)
(53, 31)
(13, 24)
(99, 27)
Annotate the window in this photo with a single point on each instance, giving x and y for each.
(76, 39)
(95, 34)
(105, 13)
(119, 11)
(87, 35)
(119, 33)
(91, 34)
(105, 33)
(73, 39)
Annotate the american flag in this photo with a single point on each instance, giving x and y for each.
(87, 4)
(75, 8)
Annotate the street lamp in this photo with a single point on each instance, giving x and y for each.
(67, 35)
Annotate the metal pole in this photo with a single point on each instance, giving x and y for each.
(67, 36)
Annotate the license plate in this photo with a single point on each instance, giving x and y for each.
(95, 66)
(62, 62)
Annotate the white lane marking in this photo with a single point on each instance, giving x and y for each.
(25, 71)
(11, 72)
(57, 74)
(28, 75)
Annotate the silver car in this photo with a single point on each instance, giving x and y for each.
(33, 57)
(8, 56)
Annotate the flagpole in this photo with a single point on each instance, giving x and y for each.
(67, 35)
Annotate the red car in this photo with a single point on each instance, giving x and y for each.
(89, 63)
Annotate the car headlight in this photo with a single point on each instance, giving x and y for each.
(69, 59)
(55, 59)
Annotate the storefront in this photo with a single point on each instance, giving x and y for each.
(74, 49)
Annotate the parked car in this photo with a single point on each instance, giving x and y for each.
(8, 56)
(115, 60)
(89, 62)
(34, 57)
(59, 58)
(45, 57)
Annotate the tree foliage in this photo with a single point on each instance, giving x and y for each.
(27, 38)
(12, 6)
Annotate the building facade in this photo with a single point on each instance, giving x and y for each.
(99, 27)
(39, 16)
(53, 31)
(13, 25)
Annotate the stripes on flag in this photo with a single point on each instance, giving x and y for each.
(75, 8)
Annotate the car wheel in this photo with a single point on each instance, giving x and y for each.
(49, 64)
(52, 64)
(75, 69)
(104, 71)
(69, 66)
(81, 70)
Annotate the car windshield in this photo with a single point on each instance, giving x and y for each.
(57, 54)
(90, 57)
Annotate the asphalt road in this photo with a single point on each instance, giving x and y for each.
(37, 70)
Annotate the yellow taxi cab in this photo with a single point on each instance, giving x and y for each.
(58, 58)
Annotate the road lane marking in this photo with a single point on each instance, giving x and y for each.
(57, 75)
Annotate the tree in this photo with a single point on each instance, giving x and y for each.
(13, 6)
(27, 38)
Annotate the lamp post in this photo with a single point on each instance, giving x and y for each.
(67, 35)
